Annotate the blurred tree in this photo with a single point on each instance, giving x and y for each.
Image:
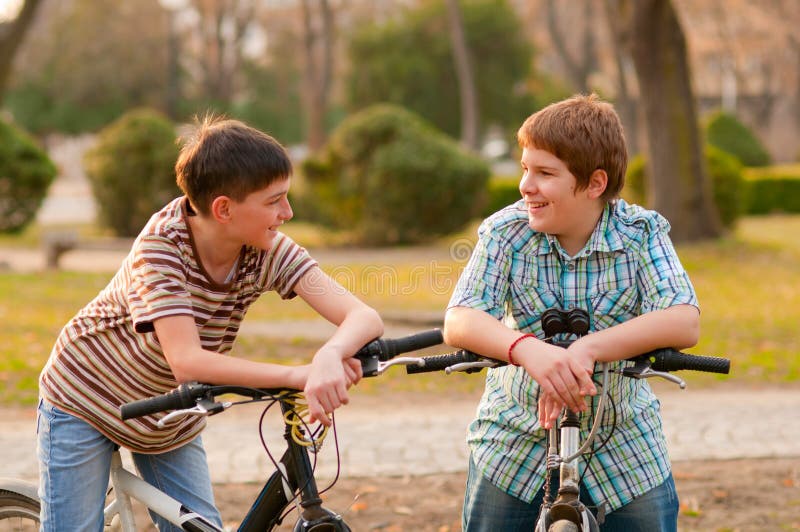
(624, 101)
(408, 60)
(678, 183)
(318, 36)
(583, 62)
(217, 44)
(11, 36)
(466, 79)
(88, 62)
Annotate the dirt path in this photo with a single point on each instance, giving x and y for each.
(736, 495)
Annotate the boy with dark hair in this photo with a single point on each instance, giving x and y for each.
(569, 243)
(172, 309)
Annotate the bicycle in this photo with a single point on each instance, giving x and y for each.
(294, 472)
(566, 513)
(292, 484)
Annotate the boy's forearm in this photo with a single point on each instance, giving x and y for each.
(359, 327)
(477, 331)
(677, 327)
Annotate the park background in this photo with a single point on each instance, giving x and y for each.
(419, 100)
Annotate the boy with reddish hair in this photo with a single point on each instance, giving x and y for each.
(570, 243)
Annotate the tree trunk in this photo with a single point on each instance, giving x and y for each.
(318, 71)
(466, 78)
(11, 36)
(678, 184)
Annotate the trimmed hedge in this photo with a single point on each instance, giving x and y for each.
(773, 189)
(26, 173)
(388, 177)
(132, 170)
(725, 170)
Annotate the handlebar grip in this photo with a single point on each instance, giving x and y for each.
(392, 347)
(672, 360)
(181, 397)
(442, 362)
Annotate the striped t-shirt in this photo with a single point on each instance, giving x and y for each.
(629, 267)
(108, 354)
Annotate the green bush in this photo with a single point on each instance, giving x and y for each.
(503, 191)
(727, 133)
(26, 173)
(388, 177)
(773, 189)
(131, 170)
(726, 179)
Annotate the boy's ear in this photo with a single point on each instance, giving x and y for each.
(598, 182)
(221, 209)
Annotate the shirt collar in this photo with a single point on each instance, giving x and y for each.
(603, 239)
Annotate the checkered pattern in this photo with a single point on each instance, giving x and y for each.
(628, 267)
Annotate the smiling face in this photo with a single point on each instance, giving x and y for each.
(257, 218)
(554, 202)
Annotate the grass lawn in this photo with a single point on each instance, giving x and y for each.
(748, 285)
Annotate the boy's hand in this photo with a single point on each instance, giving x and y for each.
(549, 409)
(560, 374)
(327, 384)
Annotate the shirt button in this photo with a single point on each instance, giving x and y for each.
(571, 266)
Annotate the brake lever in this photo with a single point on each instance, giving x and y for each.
(471, 367)
(642, 370)
(374, 367)
(204, 407)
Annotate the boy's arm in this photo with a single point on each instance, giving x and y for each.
(566, 377)
(181, 345)
(677, 327)
(358, 324)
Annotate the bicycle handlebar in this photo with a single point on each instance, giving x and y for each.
(186, 395)
(374, 355)
(672, 360)
(665, 360)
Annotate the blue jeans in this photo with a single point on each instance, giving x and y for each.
(487, 509)
(74, 468)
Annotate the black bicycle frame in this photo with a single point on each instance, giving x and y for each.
(294, 472)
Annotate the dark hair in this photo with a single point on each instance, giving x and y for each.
(227, 157)
(586, 134)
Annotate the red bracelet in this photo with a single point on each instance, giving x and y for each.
(514, 344)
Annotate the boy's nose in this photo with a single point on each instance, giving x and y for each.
(526, 185)
(287, 213)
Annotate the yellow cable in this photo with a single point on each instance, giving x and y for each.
(294, 418)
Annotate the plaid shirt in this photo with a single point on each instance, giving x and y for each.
(628, 267)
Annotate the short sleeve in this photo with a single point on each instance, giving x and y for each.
(157, 285)
(483, 284)
(287, 263)
(662, 280)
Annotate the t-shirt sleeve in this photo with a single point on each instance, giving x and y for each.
(286, 264)
(661, 277)
(483, 285)
(157, 286)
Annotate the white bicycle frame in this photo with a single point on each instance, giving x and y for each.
(127, 485)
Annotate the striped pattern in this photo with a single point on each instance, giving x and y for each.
(627, 268)
(108, 354)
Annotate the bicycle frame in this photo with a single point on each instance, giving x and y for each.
(295, 474)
